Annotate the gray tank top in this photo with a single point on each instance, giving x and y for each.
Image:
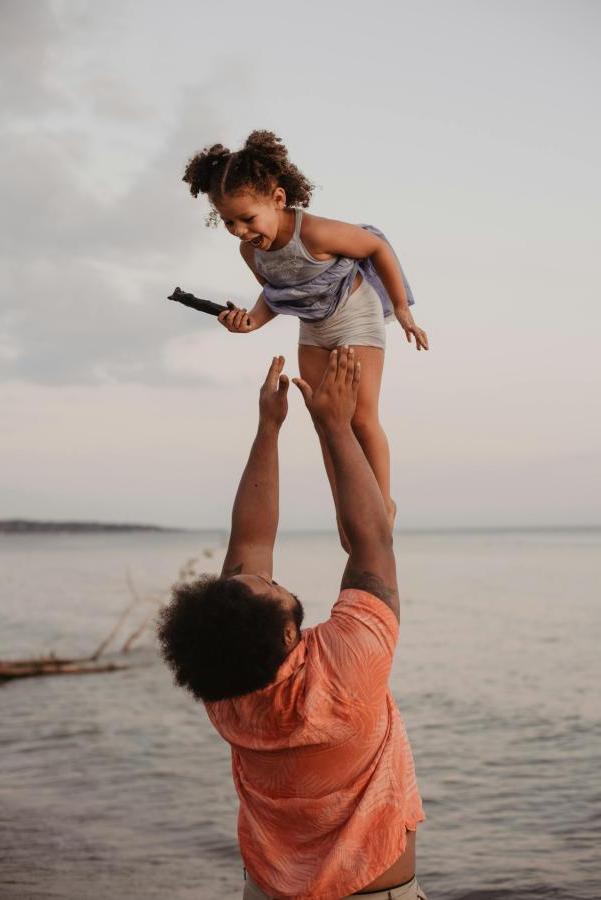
(291, 264)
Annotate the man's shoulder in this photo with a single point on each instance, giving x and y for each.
(368, 582)
(359, 619)
(354, 648)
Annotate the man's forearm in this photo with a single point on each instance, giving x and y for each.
(361, 509)
(256, 507)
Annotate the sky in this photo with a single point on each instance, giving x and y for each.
(468, 132)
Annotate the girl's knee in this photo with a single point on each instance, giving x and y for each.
(364, 423)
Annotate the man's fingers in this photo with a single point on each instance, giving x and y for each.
(342, 363)
(283, 384)
(350, 366)
(304, 388)
(273, 373)
(408, 334)
(356, 378)
(279, 367)
(332, 364)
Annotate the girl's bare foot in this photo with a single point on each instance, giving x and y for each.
(391, 514)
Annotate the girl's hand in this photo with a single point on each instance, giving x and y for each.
(236, 320)
(411, 330)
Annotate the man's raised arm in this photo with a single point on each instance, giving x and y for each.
(371, 566)
(256, 507)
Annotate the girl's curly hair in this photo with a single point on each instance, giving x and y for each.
(260, 165)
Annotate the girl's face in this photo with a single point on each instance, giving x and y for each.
(251, 217)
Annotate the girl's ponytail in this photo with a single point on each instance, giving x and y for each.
(267, 146)
(205, 170)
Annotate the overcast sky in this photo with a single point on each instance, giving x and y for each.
(468, 131)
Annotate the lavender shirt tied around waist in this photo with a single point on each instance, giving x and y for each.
(311, 289)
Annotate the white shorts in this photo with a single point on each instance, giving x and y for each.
(357, 321)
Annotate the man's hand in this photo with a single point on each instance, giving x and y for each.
(411, 330)
(237, 320)
(256, 507)
(359, 503)
(273, 397)
(333, 402)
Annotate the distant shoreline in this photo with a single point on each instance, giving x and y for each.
(33, 526)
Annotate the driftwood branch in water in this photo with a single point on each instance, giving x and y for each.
(138, 632)
(54, 666)
(122, 618)
(87, 665)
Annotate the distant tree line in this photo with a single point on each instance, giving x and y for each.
(19, 526)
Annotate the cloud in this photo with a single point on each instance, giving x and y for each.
(84, 275)
(111, 101)
(82, 284)
(71, 322)
(30, 40)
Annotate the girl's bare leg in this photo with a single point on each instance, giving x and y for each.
(366, 424)
(312, 363)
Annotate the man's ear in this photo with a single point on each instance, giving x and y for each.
(279, 197)
(290, 634)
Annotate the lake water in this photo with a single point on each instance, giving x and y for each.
(115, 786)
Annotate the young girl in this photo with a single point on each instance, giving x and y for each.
(342, 281)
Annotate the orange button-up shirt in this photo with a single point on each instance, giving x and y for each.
(321, 761)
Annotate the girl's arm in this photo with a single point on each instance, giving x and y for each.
(239, 320)
(328, 236)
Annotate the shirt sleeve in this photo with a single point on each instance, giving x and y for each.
(356, 646)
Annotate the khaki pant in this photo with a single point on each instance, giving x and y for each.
(409, 891)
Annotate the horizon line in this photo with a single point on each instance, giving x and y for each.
(20, 523)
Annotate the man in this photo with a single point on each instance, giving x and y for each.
(323, 769)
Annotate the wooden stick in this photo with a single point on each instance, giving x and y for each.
(124, 615)
(54, 667)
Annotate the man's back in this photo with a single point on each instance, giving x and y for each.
(321, 760)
